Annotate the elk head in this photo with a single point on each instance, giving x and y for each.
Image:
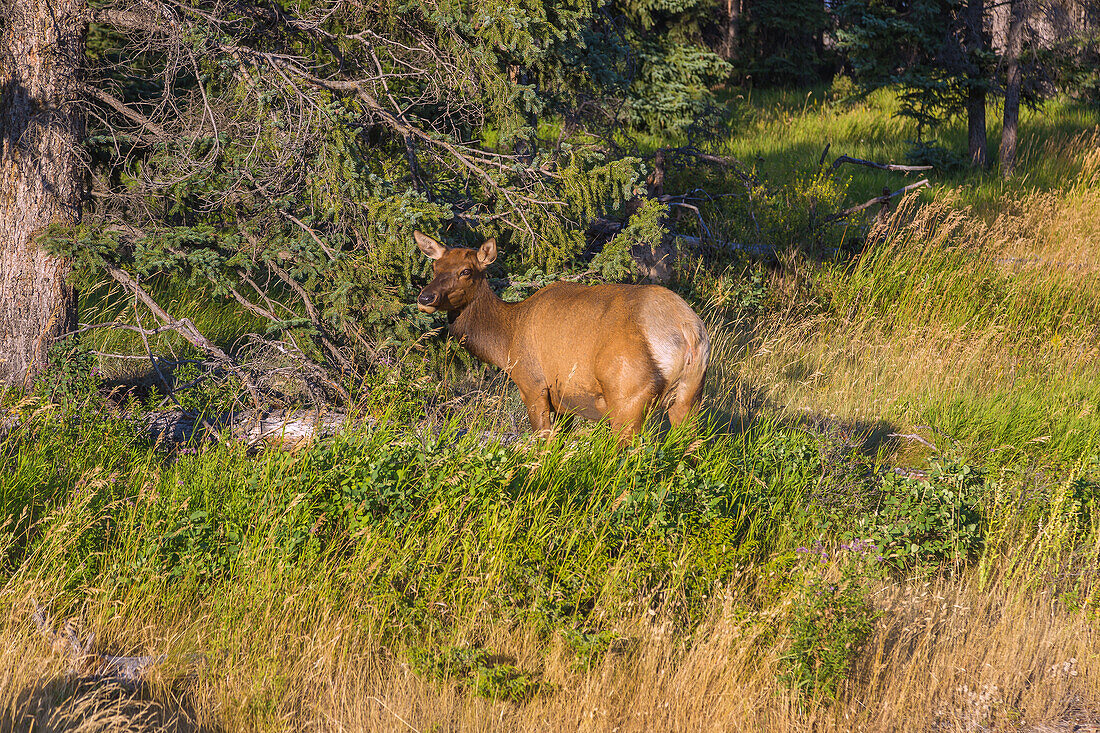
(458, 273)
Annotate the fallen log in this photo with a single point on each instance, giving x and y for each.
(288, 428)
(894, 167)
(86, 665)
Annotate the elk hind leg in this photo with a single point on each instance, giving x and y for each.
(627, 411)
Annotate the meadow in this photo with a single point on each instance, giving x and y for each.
(885, 518)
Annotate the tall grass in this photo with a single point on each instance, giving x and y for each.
(780, 131)
(984, 328)
(936, 395)
(646, 589)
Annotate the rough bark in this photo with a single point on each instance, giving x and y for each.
(41, 54)
(975, 101)
(1013, 79)
(727, 48)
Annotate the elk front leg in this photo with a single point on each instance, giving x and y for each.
(537, 400)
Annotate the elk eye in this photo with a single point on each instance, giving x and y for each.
(465, 273)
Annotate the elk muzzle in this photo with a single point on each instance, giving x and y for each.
(427, 301)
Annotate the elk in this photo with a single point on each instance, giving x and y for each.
(605, 351)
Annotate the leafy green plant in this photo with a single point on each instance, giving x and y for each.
(71, 375)
(934, 520)
(842, 90)
(477, 670)
(752, 293)
(831, 617)
(590, 647)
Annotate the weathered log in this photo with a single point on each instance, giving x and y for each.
(87, 665)
(289, 428)
(893, 167)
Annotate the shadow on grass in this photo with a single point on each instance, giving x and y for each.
(84, 705)
(866, 437)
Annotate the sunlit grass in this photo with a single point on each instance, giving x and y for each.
(601, 588)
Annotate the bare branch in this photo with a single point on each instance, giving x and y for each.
(182, 326)
(118, 106)
(876, 200)
(881, 166)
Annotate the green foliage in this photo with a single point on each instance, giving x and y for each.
(474, 120)
(933, 521)
(645, 230)
(919, 49)
(831, 618)
(71, 375)
(477, 670)
(672, 90)
(752, 293)
(590, 648)
(673, 70)
(789, 217)
(842, 90)
(782, 41)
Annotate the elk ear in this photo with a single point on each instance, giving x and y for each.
(428, 246)
(487, 254)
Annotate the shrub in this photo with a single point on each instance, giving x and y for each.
(477, 670)
(830, 619)
(934, 520)
(71, 375)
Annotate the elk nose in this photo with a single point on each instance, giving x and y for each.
(427, 298)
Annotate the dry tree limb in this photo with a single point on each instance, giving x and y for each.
(131, 114)
(881, 166)
(184, 327)
(85, 663)
(884, 198)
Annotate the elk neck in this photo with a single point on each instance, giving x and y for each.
(485, 326)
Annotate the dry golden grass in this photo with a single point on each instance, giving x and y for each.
(964, 323)
(946, 656)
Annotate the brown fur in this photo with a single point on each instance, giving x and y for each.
(611, 351)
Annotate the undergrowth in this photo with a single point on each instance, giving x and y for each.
(886, 517)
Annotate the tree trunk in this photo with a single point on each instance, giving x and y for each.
(727, 49)
(975, 100)
(1013, 47)
(41, 55)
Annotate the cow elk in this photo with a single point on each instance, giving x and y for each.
(606, 351)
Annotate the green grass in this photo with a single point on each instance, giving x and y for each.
(412, 549)
(782, 131)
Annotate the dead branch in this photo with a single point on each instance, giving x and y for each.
(184, 327)
(881, 166)
(118, 106)
(876, 200)
(87, 664)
